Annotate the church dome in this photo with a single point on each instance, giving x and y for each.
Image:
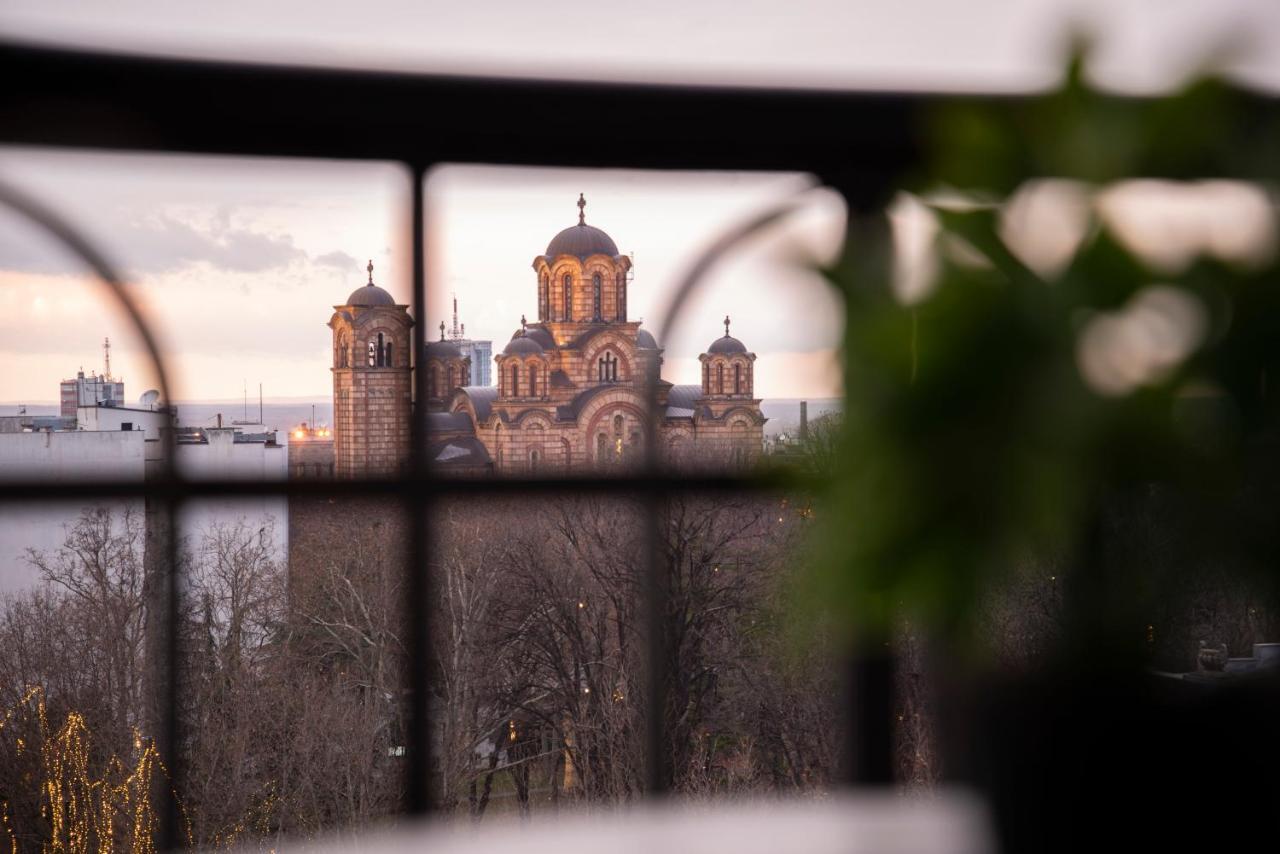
(582, 240)
(443, 350)
(539, 335)
(726, 346)
(370, 295)
(645, 340)
(522, 345)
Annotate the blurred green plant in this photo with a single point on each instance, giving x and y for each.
(980, 418)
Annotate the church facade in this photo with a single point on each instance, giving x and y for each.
(573, 389)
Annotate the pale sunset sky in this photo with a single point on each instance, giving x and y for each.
(239, 262)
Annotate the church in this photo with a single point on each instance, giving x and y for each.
(571, 395)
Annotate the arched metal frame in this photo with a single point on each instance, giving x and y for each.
(858, 144)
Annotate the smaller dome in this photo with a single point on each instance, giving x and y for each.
(726, 346)
(541, 336)
(583, 241)
(645, 341)
(522, 345)
(370, 295)
(443, 350)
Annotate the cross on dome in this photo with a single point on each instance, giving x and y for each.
(370, 269)
(442, 330)
(522, 324)
(582, 209)
(726, 326)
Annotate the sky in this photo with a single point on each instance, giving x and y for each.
(237, 264)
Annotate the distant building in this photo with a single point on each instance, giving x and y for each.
(479, 352)
(116, 442)
(92, 390)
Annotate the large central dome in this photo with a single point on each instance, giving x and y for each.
(582, 240)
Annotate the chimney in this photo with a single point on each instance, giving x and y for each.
(804, 421)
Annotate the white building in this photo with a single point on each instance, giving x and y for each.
(121, 443)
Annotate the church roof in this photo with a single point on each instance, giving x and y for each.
(370, 295)
(683, 396)
(645, 340)
(541, 335)
(727, 345)
(443, 350)
(582, 240)
(482, 398)
(522, 345)
(448, 422)
(463, 451)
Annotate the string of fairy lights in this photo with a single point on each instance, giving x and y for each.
(84, 813)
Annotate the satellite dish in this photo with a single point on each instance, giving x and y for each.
(149, 398)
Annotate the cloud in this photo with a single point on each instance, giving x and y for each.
(158, 244)
(337, 259)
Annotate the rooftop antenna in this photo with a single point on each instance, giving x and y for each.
(454, 333)
(106, 356)
(260, 421)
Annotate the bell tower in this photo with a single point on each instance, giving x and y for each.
(372, 384)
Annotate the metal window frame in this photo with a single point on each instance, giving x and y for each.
(861, 144)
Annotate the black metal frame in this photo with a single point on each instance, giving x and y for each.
(860, 144)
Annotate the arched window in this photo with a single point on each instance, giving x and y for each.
(390, 363)
(620, 297)
(720, 378)
(543, 288)
(607, 368)
(344, 350)
(515, 381)
(373, 354)
(602, 448)
(533, 461)
(533, 380)
(595, 297)
(737, 379)
(568, 297)
(382, 351)
(706, 378)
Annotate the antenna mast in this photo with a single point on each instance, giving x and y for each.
(455, 333)
(106, 357)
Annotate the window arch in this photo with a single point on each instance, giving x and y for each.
(602, 448)
(568, 296)
(533, 380)
(737, 378)
(344, 351)
(595, 297)
(387, 351)
(607, 368)
(373, 353)
(719, 377)
(543, 295)
(620, 297)
(706, 378)
(515, 381)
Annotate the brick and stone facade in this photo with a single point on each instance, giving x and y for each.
(372, 384)
(572, 391)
